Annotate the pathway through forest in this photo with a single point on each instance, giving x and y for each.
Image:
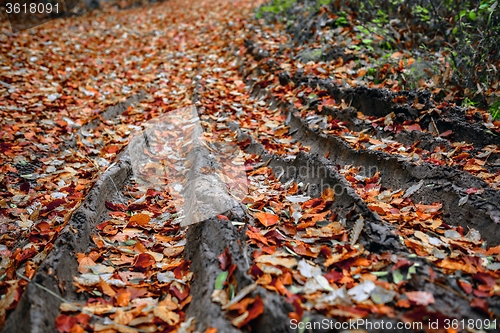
(358, 203)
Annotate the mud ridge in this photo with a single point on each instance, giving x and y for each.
(379, 103)
(377, 235)
(38, 309)
(349, 117)
(441, 184)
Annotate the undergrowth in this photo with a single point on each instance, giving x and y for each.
(466, 32)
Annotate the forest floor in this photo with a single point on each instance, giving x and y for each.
(311, 193)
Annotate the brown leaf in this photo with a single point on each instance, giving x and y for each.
(106, 289)
(166, 315)
(123, 298)
(480, 304)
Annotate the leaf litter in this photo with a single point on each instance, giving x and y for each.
(135, 274)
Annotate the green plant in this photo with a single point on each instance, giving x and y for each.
(495, 110)
(468, 103)
(275, 7)
(382, 18)
(342, 19)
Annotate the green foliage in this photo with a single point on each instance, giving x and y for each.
(382, 18)
(467, 32)
(422, 13)
(495, 110)
(275, 7)
(468, 103)
(342, 19)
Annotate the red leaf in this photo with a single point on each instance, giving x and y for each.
(143, 261)
(53, 205)
(266, 219)
(480, 304)
(180, 296)
(65, 323)
(471, 190)
(111, 149)
(484, 279)
(83, 318)
(225, 259)
(137, 206)
(25, 187)
(420, 297)
(446, 134)
(26, 254)
(402, 262)
(115, 207)
(466, 286)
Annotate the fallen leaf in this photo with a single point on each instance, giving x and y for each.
(139, 220)
(420, 297)
(65, 323)
(267, 219)
(225, 259)
(143, 261)
(277, 261)
(166, 315)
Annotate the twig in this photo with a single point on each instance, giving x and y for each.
(448, 288)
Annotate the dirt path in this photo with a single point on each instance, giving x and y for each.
(341, 219)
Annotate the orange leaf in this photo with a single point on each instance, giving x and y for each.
(140, 219)
(253, 311)
(256, 236)
(106, 288)
(266, 219)
(211, 330)
(84, 263)
(77, 329)
(123, 298)
(328, 194)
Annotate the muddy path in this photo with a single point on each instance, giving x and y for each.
(328, 229)
(205, 241)
(482, 211)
